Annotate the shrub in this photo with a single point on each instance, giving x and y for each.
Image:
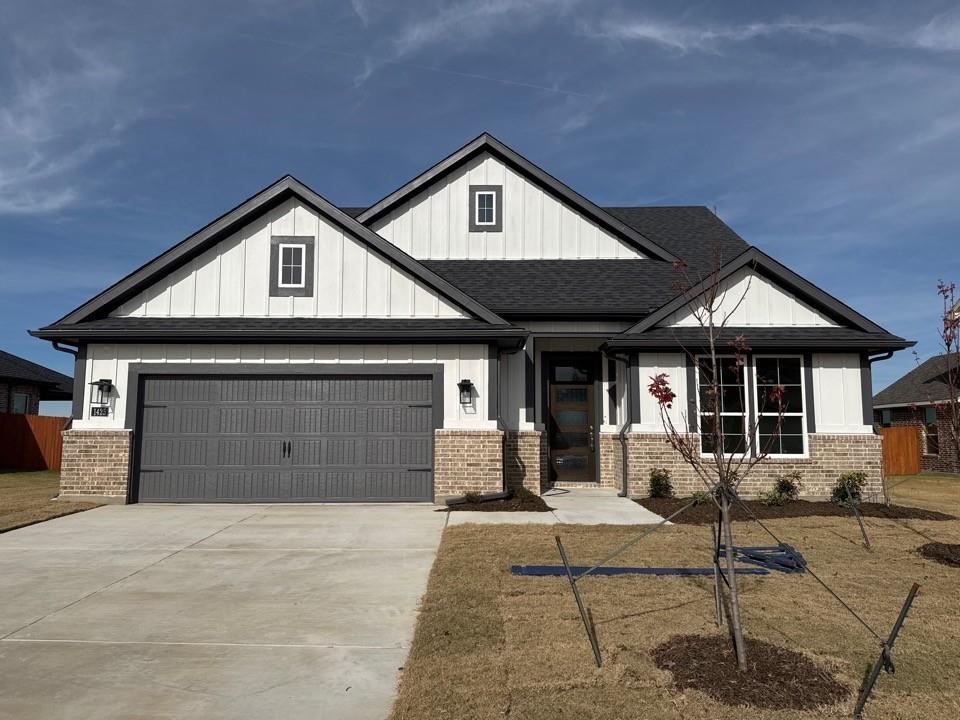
(700, 497)
(789, 485)
(524, 493)
(849, 487)
(471, 497)
(786, 490)
(660, 485)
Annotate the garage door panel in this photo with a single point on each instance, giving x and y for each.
(236, 439)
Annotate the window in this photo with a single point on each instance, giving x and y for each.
(931, 431)
(886, 418)
(785, 372)
(486, 208)
(291, 266)
(20, 404)
(731, 399)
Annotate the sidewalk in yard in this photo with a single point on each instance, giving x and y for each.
(586, 506)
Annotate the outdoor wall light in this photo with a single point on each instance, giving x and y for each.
(101, 391)
(466, 391)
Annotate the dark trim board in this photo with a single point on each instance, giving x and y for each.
(866, 388)
(808, 394)
(79, 382)
(493, 383)
(139, 371)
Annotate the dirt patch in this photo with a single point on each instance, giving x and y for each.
(943, 553)
(776, 678)
(706, 513)
(528, 503)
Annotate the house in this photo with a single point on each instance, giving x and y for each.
(483, 325)
(23, 384)
(921, 399)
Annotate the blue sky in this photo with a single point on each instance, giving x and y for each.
(827, 133)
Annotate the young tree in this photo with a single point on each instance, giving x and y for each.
(950, 340)
(720, 442)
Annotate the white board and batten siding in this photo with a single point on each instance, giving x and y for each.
(459, 361)
(748, 299)
(435, 223)
(837, 393)
(232, 279)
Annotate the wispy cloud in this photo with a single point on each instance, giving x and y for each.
(940, 34)
(61, 110)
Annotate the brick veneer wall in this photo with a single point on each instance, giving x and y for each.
(467, 461)
(830, 455)
(95, 463)
(611, 461)
(526, 460)
(946, 460)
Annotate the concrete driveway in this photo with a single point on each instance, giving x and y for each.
(212, 611)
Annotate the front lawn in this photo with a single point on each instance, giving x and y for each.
(492, 645)
(27, 498)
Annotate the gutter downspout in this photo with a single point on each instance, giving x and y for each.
(70, 351)
(622, 434)
(883, 356)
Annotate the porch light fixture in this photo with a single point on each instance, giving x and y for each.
(466, 391)
(101, 391)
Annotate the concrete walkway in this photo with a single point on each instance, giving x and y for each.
(212, 611)
(588, 506)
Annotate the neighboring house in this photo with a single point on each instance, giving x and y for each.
(484, 320)
(921, 399)
(24, 384)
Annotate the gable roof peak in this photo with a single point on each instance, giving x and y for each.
(530, 171)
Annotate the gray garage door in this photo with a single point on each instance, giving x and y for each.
(272, 438)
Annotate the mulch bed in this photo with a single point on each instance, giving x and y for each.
(776, 678)
(943, 553)
(530, 503)
(706, 513)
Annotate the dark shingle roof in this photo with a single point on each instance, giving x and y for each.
(690, 232)
(55, 386)
(764, 337)
(630, 288)
(925, 383)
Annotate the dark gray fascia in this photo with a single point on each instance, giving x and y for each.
(272, 196)
(497, 225)
(486, 142)
(275, 242)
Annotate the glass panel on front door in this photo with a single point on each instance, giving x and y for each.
(571, 418)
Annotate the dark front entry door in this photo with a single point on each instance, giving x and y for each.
(571, 416)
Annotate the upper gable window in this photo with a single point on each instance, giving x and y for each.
(291, 270)
(486, 208)
(291, 266)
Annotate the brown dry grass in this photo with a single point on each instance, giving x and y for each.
(27, 498)
(491, 645)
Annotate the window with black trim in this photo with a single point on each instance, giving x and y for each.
(931, 432)
(730, 402)
(486, 208)
(291, 266)
(886, 418)
(773, 373)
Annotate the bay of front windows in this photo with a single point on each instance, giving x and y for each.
(764, 398)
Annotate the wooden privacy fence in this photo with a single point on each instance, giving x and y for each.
(30, 442)
(901, 450)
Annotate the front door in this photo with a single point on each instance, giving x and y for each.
(571, 416)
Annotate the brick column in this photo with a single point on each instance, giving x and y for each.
(95, 464)
(526, 460)
(467, 461)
